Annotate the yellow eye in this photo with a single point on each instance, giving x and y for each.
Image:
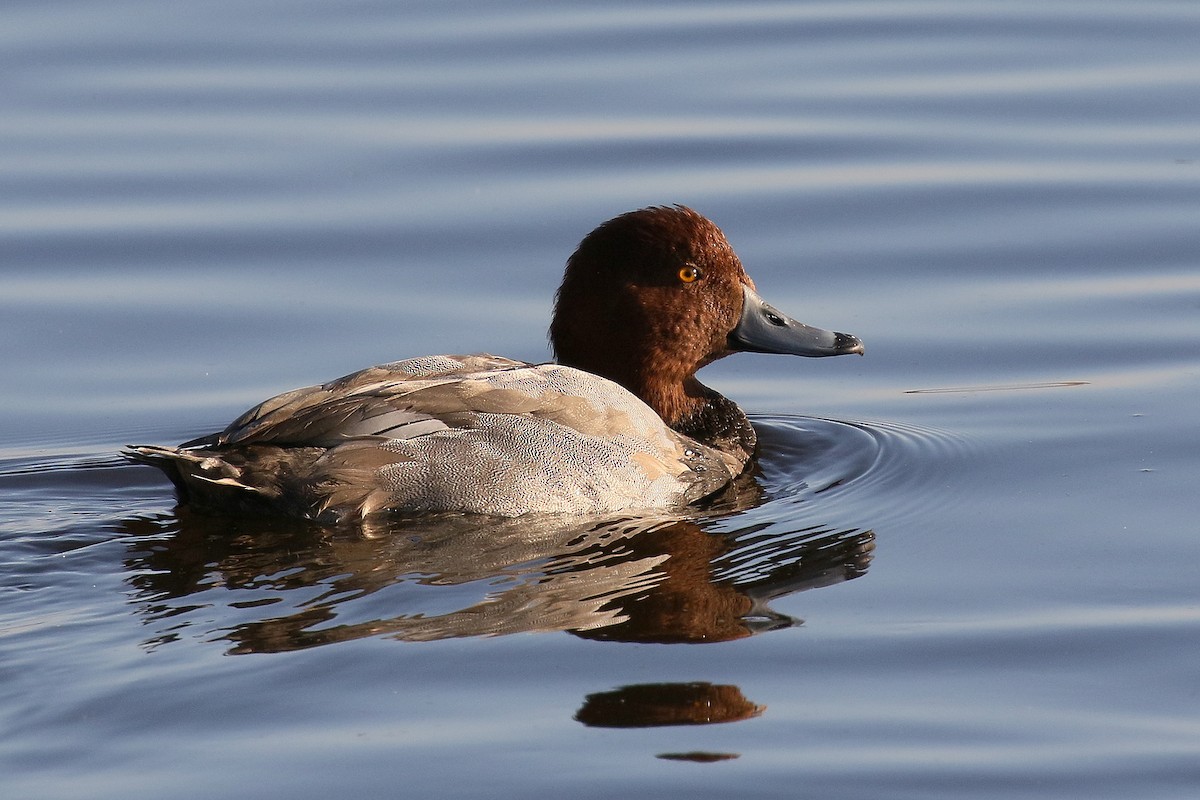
(690, 274)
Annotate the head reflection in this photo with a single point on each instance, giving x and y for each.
(651, 705)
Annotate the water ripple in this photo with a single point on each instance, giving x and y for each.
(869, 471)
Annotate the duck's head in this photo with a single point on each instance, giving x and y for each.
(651, 296)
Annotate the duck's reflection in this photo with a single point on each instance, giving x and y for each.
(272, 585)
(651, 705)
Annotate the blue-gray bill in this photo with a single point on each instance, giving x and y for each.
(765, 329)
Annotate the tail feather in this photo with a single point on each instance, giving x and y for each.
(201, 476)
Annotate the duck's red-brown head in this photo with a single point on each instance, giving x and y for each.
(651, 296)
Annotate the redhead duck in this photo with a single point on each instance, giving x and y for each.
(618, 423)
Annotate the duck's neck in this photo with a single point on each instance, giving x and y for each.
(718, 422)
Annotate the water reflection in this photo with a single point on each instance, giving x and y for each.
(653, 705)
(699, 756)
(268, 585)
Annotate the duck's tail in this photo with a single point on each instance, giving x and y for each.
(198, 475)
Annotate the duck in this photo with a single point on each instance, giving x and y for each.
(616, 423)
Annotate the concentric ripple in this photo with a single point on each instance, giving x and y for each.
(871, 471)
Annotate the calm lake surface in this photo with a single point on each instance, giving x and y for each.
(971, 571)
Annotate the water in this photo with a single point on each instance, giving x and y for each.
(970, 572)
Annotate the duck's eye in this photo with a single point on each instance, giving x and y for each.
(690, 274)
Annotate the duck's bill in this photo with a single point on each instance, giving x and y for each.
(765, 329)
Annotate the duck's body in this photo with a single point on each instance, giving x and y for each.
(478, 434)
(619, 424)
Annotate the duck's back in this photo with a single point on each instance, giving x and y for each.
(477, 434)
